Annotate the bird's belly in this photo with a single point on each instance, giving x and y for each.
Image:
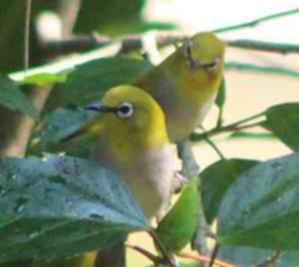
(151, 179)
(183, 119)
(149, 176)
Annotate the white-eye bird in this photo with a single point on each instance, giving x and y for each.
(133, 142)
(186, 83)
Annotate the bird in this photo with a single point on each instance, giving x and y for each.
(186, 83)
(133, 142)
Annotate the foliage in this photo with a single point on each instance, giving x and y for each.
(51, 203)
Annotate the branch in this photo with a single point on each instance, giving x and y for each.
(147, 254)
(132, 42)
(282, 48)
(83, 43)
(240, 66)
(17, 127)
(236, 126)
(166, 257)
(255, 22)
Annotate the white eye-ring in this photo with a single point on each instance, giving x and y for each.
(125, 110)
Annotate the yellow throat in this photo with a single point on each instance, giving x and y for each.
(144, 130)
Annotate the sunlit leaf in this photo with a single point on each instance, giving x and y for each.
(177, 228)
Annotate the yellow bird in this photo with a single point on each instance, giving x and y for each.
(186, 83)
(133, 142)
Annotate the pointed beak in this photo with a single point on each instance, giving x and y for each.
(195, 64)
(99, 107)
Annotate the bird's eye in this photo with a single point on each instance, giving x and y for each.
(210, 67)
(125, 110)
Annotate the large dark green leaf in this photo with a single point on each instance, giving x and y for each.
(179, 225)
(61, 206)
(90, 81)
(283, 121)
(63, 130)
(261, 208)
(115, 17)
(63, 122)
(12, 98)
(216, 180)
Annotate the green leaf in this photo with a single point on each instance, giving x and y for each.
(246, 256)
(80, 146)
(13, 98)
(251, 135)
(283, 121)
(44, 79)
(261, 208)
(90, 81)
(216, 180)
(115, 17)
(63, 122)
(61, 206)
(177, 228)
(64, 131)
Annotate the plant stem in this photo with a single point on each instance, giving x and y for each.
(257, 21)
(230, 127)
(282, 48)
(240, 66)
(145, 253)
(27, 33)
(213, 145)
(161, 248)
(214, 254)
(250, 118)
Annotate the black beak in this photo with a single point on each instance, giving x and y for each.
(98, 107)
(195, 64)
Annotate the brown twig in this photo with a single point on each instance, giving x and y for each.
(214, 254)
(153, 258)
(161, 248)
